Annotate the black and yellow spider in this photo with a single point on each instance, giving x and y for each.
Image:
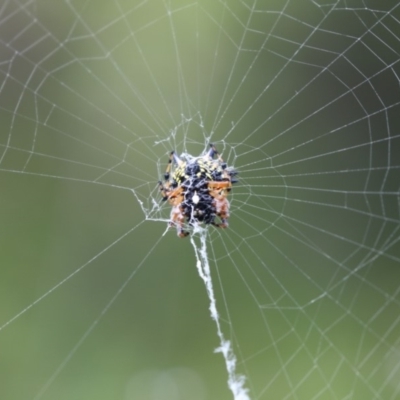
(197, 190)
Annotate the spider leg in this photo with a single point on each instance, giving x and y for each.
(164, 191)
(214, 152)
(219, 191)
(177, 219)
(165, 188)
(228, 172)
(168, 170)
(175, 197)
(219, 187)
(222, 211)
(172, 158)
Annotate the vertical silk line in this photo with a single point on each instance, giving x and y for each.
(236, 382)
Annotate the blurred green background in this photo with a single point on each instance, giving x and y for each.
(95, 302)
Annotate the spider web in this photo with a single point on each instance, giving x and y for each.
(100, 300)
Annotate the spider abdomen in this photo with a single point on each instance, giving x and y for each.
(198, 190)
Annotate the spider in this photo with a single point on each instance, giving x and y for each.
(198, 190)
